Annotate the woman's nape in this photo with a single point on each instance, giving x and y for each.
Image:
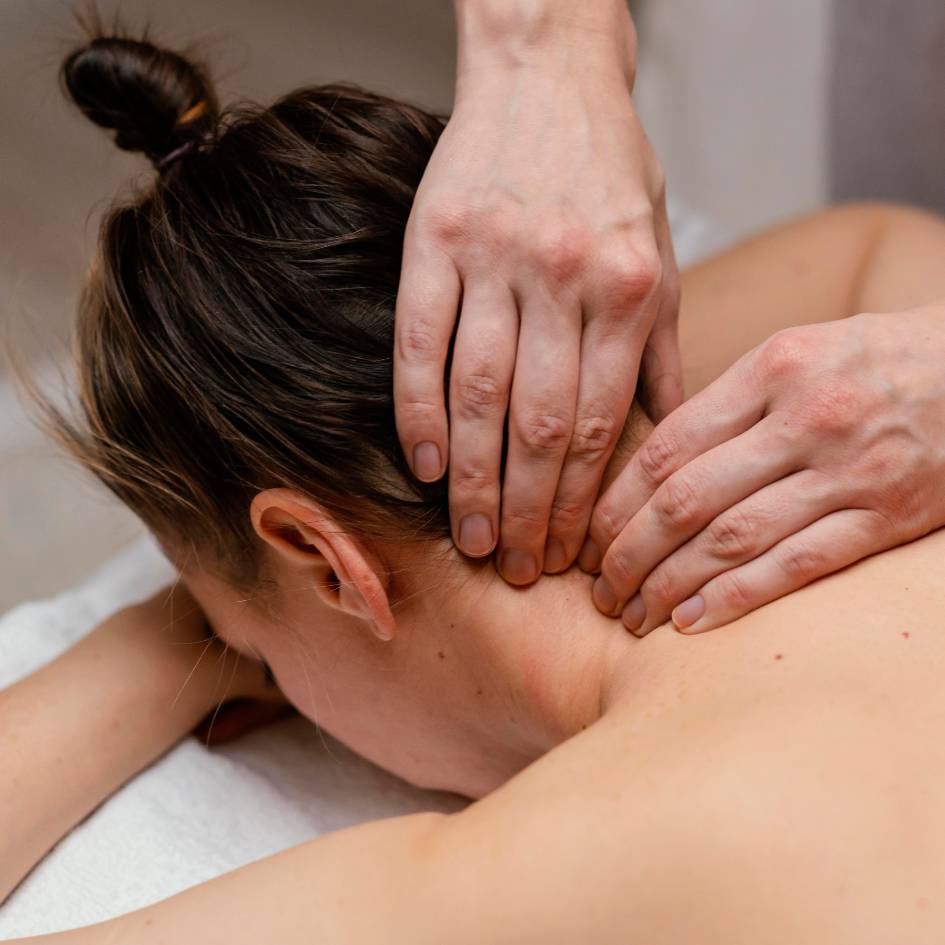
(420, 659)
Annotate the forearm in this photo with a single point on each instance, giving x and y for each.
(496, 35)
(77, 729)
(818, 268)
(360, 885)
(904, 264)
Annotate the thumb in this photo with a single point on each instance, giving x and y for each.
(661, 372)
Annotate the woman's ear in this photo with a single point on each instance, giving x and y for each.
(308, 541)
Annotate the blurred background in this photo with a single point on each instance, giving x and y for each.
(758, 108)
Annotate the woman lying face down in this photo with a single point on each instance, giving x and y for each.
(236, 356)
(776, 781)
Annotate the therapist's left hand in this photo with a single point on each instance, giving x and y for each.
(822, 446)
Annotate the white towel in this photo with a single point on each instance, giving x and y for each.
(197, 812)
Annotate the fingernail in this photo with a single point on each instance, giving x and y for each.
(688, 612)
(589, 558)
(475, 535)
(518, 567)
(555, 557)
(634, 613)
(427, 463)
(604, 597)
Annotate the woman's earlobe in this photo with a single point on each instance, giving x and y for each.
(366, 599)
(384, 631)
(363, 598)
(346, 576)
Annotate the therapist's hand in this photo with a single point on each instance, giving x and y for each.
(540, 226)
(822, 446)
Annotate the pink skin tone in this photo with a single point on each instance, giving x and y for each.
(398, 651)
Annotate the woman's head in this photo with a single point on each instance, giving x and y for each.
(236, 331)
(235, 356)
(235, 360)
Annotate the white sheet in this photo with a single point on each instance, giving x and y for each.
(198, 812)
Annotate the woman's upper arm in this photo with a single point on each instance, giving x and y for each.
(800, 273)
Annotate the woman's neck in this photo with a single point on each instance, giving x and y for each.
(543, 663)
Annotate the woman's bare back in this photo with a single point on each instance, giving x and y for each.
(778, 780)
(781, 780)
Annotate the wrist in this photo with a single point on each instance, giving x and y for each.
(511, 34)
(161, 658)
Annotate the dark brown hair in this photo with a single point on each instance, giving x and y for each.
(236, 332)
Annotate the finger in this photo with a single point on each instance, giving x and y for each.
(736, 536)
(683, 505)
(605, 390)
(427, 302)
(237, 717)
(541, 420)
(480, 382)
(661, 368)
(831, 543)
(723, 410)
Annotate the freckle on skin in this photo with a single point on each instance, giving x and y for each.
(478, 692)
(905, 634)
(778, 656)
(441, 654)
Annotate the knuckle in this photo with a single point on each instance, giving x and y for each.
(632, 276)
(733, 536)
(544, 432)
(524, 518)
(660, 590)
(593, 437)
(604, 523)
(785, 353)
(617, 567)
(801, 562)
(567, 515)
(447, 221)
(479, 395)
(417, 412)
(500, 226)
(656, 458)
(733, 593)
(419, 340)
(676, 503)
(472, 480)
(561, 251)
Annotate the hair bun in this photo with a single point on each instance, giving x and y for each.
(155, 100)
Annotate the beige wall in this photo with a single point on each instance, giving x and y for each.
(56, 171)
(733, 94)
